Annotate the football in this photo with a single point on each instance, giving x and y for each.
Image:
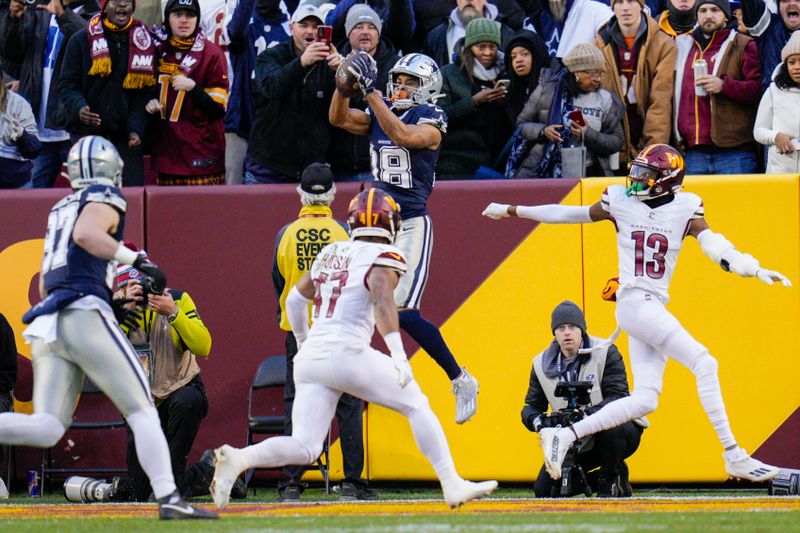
(346, 83)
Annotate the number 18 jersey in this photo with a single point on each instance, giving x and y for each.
(407, 174)
(341, 311)
(649, 240)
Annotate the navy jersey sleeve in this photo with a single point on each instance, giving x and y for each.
(104, 194)
(432, 114)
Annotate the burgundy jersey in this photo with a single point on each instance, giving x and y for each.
(190, 143)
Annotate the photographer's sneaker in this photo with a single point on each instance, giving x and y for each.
(460, 491)
(173, 507)
(229, 463)
(554, 447)
(741, 466)
(465, 387)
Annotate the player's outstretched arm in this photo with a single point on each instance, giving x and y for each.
(341, 115)
(297, 307)
(551, 213)
(722, 252)
(404, 135)
(381, 282)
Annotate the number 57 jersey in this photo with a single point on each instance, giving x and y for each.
(341, 312)
(649, 240)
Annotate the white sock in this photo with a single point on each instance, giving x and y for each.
(42, 430)
(431, 441)
(152, 450)
(710, 393)
(275, 452)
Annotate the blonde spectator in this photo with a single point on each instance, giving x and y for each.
(19, 143)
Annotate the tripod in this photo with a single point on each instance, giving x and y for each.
(571, 468)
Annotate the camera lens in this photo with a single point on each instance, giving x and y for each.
(86, 489)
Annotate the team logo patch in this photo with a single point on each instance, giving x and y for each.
(141, 38)
(95, 28)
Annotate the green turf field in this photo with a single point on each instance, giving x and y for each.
(412, 510)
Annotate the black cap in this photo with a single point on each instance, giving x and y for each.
(188, 5)
(568, 313)
(317, 178)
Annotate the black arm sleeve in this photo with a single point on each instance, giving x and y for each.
(201, 99)
(535, 402)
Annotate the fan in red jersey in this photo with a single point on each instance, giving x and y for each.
(189, 145)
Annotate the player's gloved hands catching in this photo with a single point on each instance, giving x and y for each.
(158, 281)
(400, 362)
(496, 211)
(125, 316)
(771, 276)
(364, 68)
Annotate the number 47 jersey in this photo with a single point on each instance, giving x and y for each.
(341, 312)
(649, 240)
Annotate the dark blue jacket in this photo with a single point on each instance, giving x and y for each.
(250, 34)
(770, 34)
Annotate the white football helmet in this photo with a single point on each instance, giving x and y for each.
(94, 160)
(426, 71)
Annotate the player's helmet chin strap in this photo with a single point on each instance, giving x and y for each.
(602, 344)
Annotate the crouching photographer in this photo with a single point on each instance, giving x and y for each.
(604, 368)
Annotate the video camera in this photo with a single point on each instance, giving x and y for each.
(577, 396)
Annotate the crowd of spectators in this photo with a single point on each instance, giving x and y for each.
(239, 91)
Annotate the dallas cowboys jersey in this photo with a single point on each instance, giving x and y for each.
(342, 312)
(407, 174)
(649, 240)
(69, 271)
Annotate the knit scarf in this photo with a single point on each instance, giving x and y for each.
(195, 46)
(141, 52)
(550, 164)
(681, 21)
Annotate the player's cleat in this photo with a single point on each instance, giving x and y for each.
(465, 387)
(173, 507)
(459, 492)
(3, 490)
(228, 465)
(739, 465)
(554, 450)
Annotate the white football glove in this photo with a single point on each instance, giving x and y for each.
(496, 211)
(403, 368)
(771, 276)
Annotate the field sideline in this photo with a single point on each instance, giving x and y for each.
(708, 511)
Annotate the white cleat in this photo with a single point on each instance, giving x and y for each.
(460, 492)
(465, 387)
(741, 466)
(228, 465)
(554, 451)
(3, 490)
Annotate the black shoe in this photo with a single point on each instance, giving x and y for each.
(239, 490)
(348, 491)
(173, 507)
(622, 485)
(290, 493)
(605, 488)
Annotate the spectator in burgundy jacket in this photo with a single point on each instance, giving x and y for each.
(716, 129)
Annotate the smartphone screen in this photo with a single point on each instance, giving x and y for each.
(324, 34)
(576, 116)
(502, 84)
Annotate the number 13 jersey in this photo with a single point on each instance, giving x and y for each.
(407, 174)
(341, 310)
(649, 240)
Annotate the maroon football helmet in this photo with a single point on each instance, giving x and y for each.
(373, 213)
(656, 171)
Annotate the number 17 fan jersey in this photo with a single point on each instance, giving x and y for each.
(649, 240)
(341, 310)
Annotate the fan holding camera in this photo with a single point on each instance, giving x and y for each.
(573, 385)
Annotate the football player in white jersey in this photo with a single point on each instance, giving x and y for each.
(652, 217)
(351, 285)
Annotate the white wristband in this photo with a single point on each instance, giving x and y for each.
(394, 342)
(125, 255)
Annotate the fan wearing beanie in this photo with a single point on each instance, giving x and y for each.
(570, 108)
(189, 143)
(475, 89)
(778, 120)
(106, 69)
(639, 65)
(715, 111)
